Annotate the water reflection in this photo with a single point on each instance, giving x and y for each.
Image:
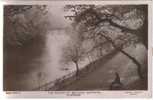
(35, 63)
(20, 62)
(55, 41)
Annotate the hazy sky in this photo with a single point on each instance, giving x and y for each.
(56, 14)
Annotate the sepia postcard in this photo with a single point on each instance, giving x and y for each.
(77, 49)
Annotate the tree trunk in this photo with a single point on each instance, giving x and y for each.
(135, 62)
(125, 53)
(77, 68)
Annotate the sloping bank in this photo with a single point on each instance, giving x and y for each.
(71, 78)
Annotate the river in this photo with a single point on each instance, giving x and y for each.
(37, 63)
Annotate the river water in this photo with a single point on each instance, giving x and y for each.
(37, 63)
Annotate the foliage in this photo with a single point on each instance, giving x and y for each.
(120, 25)
(127, 19)
(22, 23)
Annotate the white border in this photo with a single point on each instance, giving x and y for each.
(78, 94)
(78, 2)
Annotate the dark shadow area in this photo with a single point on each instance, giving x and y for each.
(18, 61)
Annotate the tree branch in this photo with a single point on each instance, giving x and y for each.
(126, 54)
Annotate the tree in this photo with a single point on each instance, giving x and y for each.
(73, 52)
(23, 23)
(119, 16)
(100, 20)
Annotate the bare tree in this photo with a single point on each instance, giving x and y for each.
(73, 53)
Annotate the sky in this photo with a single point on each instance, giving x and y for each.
(56, 14)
